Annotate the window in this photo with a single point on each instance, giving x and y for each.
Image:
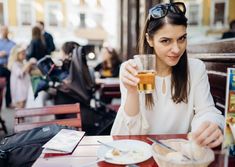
(82, 17)
(219, 13)
(1, 14)
(193, 14)
(54, 16)
(25, 13)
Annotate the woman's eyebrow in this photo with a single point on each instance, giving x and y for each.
(167, 38)
(183, 35)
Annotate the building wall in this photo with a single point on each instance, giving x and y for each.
(40, 11)
(12, 20)
(231, 15)
(206, 12)
(39, 6)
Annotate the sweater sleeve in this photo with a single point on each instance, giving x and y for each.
(204, 106)
(128, 125)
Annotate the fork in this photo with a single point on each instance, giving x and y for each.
(113, 147)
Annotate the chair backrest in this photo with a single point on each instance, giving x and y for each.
(21, 114)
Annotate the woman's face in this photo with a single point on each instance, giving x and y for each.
(169, 44)
(63, 55)
(106, 55)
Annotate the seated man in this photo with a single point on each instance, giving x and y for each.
(231, 32)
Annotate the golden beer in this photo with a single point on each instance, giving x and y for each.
(147, 81)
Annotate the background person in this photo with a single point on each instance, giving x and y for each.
(47, 37)
(109, 67)
(20, 79)
(182, 101)
(5, 47)
(36, 48)
(231, 32)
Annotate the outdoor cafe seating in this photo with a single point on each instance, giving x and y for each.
(22, 114)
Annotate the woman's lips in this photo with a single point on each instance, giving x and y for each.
(173, 57)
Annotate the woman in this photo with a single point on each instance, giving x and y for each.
(110, 65)
(182, 101)
(37, 47)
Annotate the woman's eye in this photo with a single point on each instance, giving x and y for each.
(165, 41)
(182, 39)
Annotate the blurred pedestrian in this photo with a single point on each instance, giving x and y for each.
(109, 67)
(36, 48)
(50, 46)
(5, 47)
(231, 32)
(20, 79)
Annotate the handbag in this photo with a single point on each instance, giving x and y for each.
(23, 148)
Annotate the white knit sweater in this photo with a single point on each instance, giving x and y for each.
(166, 116)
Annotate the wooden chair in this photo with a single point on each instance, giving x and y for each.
(21, 114)
(2, 86)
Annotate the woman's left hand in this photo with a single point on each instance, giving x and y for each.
(208, 135)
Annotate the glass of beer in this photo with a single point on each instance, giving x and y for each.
(146, 64)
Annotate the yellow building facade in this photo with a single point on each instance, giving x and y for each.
(210, 12)
(33, 10)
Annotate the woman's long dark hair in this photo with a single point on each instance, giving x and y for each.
(115, 61)
(180, 74)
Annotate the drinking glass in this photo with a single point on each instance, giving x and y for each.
(146, 64)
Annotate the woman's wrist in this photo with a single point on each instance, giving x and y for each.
(133, 92)
(131, 106)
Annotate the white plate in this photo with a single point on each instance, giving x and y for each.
(138, 151)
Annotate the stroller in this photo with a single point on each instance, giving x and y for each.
(80, 87)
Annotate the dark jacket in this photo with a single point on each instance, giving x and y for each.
(50, 46)
(228, 34)
(36, 49)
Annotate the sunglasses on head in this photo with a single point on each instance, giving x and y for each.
(161, 10)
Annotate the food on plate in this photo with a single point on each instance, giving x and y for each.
(115, 152)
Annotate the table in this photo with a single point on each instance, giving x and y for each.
(85, 153)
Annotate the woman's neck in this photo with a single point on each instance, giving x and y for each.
(163, 71)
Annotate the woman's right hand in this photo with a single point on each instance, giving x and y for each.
(129, 75)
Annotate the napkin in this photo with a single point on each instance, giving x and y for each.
(64, 142)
